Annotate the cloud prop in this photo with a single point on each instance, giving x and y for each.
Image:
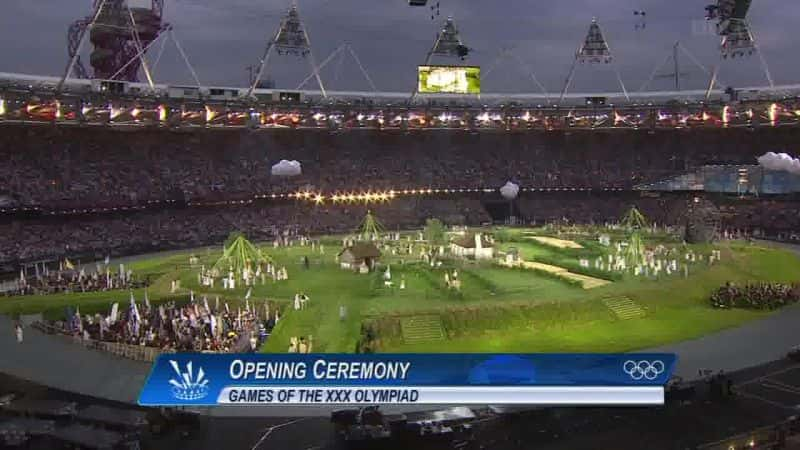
(780, 161)
(509, 191)
(286, 168)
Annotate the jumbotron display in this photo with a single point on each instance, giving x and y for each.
(449, 80)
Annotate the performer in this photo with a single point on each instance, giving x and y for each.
(18, 332)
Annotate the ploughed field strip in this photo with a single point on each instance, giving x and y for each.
(555, 242)
(624, 308)
(420, 329)
(586, 281)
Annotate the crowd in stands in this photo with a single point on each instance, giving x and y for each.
(65, 167)
(58, 168)
(756, 296)
(195, 326)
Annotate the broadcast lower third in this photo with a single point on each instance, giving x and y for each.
(471, 395)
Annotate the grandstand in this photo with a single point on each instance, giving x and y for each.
(106, 167)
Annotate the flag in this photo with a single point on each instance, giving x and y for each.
(247, 295)
(114, 313)
(146, 300)
(77, 319)
(68, 264)
(133, 316)
(191, 296)
(108, 259)
(213, 325)
(227, 310)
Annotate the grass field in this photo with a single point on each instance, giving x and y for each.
(498, 308)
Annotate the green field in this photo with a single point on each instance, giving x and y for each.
(497, 309)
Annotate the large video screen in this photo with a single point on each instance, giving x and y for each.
(449, 80)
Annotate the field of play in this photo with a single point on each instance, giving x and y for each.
(548, 289)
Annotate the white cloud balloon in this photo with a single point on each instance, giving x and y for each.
(780, 161)
(286, 168)
(509, 191)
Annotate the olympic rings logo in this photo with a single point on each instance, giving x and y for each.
(638, 370)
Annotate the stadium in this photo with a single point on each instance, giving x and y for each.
(142, 218)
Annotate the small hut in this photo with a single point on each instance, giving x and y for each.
(359, 255)
(473, 245)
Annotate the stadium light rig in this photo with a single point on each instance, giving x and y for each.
(113, 112)
(773, 114)
(210, 114)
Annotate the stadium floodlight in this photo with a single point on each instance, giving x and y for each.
(737, 37)
(593, 50)
(448, 43)
(290, 39)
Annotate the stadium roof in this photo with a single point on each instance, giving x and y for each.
(82, 86)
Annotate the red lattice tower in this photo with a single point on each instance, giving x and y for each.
(114, 37)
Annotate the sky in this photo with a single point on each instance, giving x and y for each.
(223, 37)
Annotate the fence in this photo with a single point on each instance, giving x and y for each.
(133, 352)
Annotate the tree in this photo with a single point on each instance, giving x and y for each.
(434, 232)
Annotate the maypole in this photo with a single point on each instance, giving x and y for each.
(370, 228)
(634, 222)
(239, 254)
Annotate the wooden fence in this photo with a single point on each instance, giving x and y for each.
(133, 352)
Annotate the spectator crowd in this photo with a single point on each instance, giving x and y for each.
(59, 168)
(66, 167)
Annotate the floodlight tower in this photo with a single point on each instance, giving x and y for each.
(448, 44)
(119, 30)
(594, 50)
(738, 40)
(290, 39)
